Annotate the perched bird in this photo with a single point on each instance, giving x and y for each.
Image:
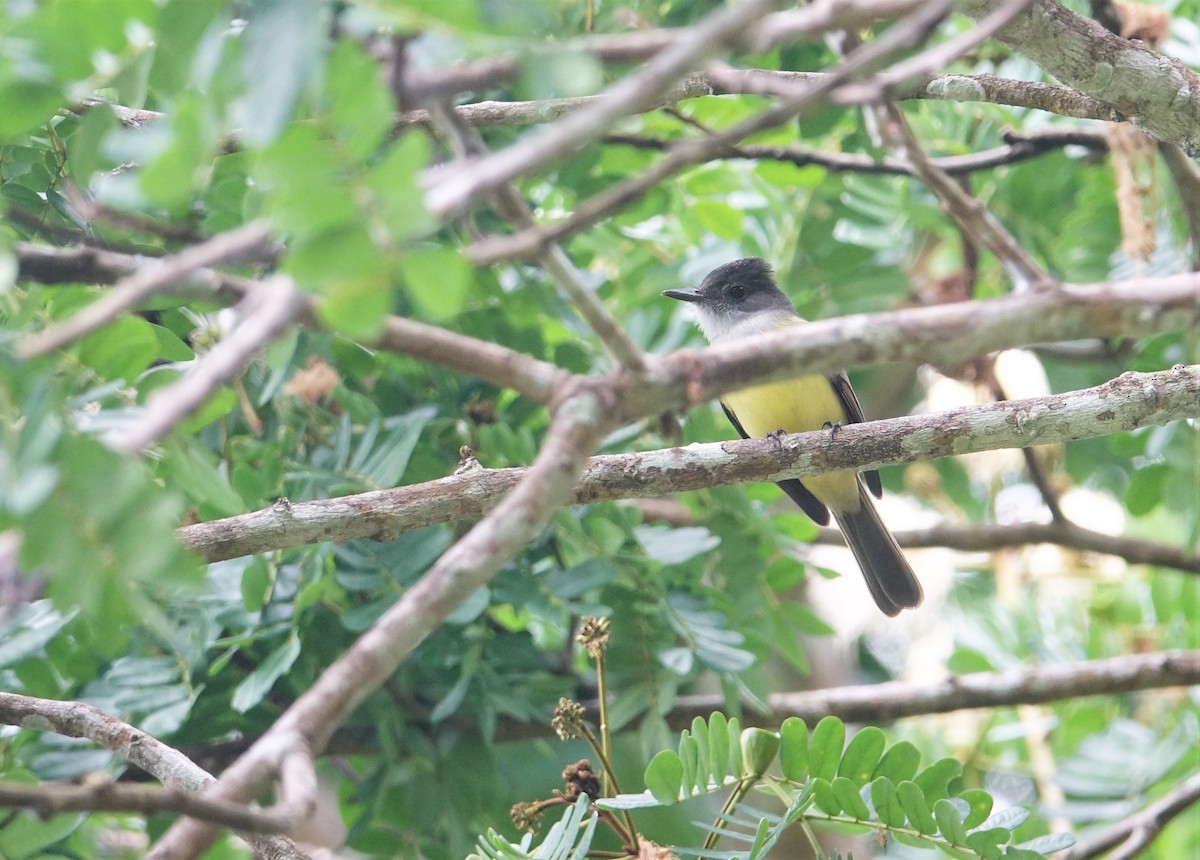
(741, 299)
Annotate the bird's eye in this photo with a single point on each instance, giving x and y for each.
(736, 292)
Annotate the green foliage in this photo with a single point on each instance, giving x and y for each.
(284, 111)
(876, 788)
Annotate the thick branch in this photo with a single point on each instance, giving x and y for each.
(1159, 95)
(944, 335)
(1130, 401)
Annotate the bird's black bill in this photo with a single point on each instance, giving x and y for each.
(684, 295)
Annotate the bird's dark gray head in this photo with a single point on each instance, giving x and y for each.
(737, 299)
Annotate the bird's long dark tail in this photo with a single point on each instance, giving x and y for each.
(892, 582)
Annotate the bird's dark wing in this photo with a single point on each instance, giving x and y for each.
(854, 415)
(796, 491)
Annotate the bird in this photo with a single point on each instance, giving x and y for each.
(741, 299)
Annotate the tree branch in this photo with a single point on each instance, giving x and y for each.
(1132, 836)
(263, 314)
(105, 796)
(152, 275)
(1159, 95)
(893, 700)
(168, 765)
(452, 190)
(992, 536)
(535, 380)
(1020, 148)
(1129, 401)
(578, 426)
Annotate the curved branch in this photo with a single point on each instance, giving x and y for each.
(1122, 404)
(1132, 836)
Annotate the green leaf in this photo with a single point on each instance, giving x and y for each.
(121, 350)
(846, 792)
(689, 755)
(759, 748)
(988, 843)
(862, 755)
(675, 546)
(283, 46)
(258, 683)
(453, 699)
(718, 747)
(703, 740)
(793, 753)
(934, 780)
(949, 822)
(912, 801)
(438, 280)
(664, 777)
(980, 803)
(257, 581)
(825, 748)
(899, 763)
(824, 797)
(886, 803)
(360, 105)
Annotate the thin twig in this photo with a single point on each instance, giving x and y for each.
(970, 214)
(1019, 149)
(105, 796)
(269, 309)
(1127, 839)
(529, 242)
(156, 275)
(450, 191)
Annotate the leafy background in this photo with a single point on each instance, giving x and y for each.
(118, 616)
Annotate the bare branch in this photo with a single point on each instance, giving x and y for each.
(1129, 838)
(155, 275)
(875, 703)
(536, 380)
(168, 765)
(992, 536)
(579, 424)
(1131, 400)
(970, 214)
(265, 312)
(105, 796)
(1186, 176)
(1020, 148)
(1159, 95)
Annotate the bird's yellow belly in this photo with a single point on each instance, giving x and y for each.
(797, 406)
